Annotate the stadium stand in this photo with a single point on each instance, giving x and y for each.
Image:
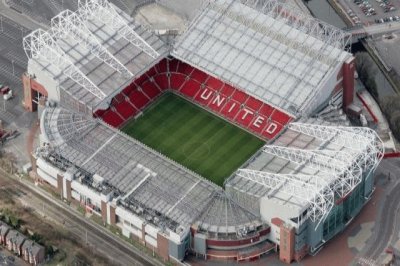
(218, 97)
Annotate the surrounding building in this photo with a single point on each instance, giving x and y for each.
(4, 228)
(32, 252)
(14, 241)
(17, 243)
(263, 65)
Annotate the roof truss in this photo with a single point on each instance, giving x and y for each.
(68, 23)
(308, 189)
(39, 44)
(344, 175)
(103, 12)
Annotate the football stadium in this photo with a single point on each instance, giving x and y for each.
(229, 142)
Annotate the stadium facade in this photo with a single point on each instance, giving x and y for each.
(262, 65)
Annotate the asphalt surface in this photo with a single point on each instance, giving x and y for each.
(99, 239)
(386, 221)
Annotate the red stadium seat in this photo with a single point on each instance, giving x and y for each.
(128, 90)
(126, 110)
(119, 98)
(173, 65)
(151, 72)
(112, 119)
(199, 76)
(218, 102)
(254, 104)
(150, 89)
(162, 66)
(227, 90)
(244, 117)
(139, 81)
(280, 117)
(138, 99)
(185, 68)
(177, 81)
(99, 113)
(214, 83)
(231, 109)
(190, 88)
(266, 110)
(240, 96)
(162, 81)
(271, 130)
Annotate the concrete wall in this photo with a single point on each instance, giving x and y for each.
(34, 69)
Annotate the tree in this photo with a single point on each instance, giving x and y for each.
(391, 108)
(366, 72)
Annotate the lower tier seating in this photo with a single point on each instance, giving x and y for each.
(213, 94)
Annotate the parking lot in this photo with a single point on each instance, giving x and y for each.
(367, 12)
(13, 63)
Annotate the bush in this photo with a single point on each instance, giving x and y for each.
(366, 72)
(391, 108)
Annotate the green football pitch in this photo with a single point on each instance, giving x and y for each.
(193, 137)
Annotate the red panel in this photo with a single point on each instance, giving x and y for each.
(271, 129)
(244, 117)
(125, 110)
(214, 83)
(198, 75)
(258, 124)
(150, 89)
(254, 104)
(112, 119)
(173, 65)
(138, 99)
(162, 81)
(230, 109)
(266, 110)
(139, 81)
(129, 89)
(151, 72)
(227, 90)
(185, 68)
(100, 113)
(177, 81)
(162, 66)
(119, 98)
(218, 102)
(280, 117)
(190, 88)
(240, 96)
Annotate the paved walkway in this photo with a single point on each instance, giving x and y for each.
(359, 240)
(382, 124)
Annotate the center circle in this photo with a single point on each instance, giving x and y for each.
(196, 150)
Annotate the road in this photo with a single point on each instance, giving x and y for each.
(390, 207)
(99, 239)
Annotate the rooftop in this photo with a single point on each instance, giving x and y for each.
(265, 49)
(94, 52)
(308, 166)
(141, 177)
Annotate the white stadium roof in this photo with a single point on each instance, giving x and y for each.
(308, 165)
(264, 48)
(94, 52)
(142, 177)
